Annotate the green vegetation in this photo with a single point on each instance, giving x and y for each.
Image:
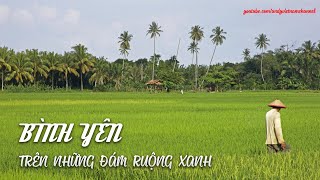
(286, 67)
(196, 35)
(229, 126)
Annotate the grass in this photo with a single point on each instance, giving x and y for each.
(228, 126)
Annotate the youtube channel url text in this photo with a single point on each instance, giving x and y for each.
(279, 11)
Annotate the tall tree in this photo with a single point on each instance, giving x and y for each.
(115, 75)
(154, 31)
(262, 42)
(83, 61)
(21, 69)
(217, 39)
(196, 35)
(143, 63)
(308, 53)
(5, 56)
(69, 67)
(246, 54)
(124, 41)
(38, 65)
(100, 72)
(54, 65)
(193, 48)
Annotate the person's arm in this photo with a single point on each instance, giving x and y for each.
(278, 131)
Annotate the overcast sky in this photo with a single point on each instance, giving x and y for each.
(58, 25)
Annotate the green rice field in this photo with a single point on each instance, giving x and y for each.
(229, 126)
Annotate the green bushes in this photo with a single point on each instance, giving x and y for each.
(27, 88)
(31, 88)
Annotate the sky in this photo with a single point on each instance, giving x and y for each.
(59, 25)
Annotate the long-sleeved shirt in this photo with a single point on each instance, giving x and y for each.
(273, 125)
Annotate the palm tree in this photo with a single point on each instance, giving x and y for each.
(133, 73)
(217, 39)
(308, 51)
(124, 41)
(21, 69)
(68, 67)
(143, 63)
(262, 42)
(196, 35)
(154, 31)
(115, 74)
(100, 72)
(246, 54)
(193, 48)
(38, 64)
(5, 56)
(53, 65)
(84, 63)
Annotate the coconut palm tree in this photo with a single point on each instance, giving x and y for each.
(262, 42)
(154, 31)
(38, 64)
(217, 39)
(196, 34)
(53, 64)
(193, 48)
(133, 73)
(246, 54)
(100, 72)
(83, 61)
(114, 70)
(69, 67)
(21, 69)
(124, 41)
(308, 52)
(5, 66)
(143, 63)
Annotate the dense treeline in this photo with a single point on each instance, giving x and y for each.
(282, 68)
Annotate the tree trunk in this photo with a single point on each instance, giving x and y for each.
(207, 72)
(122, 71)
(81, 82)
(35, 77)
(196, 72)
(52, 80)
(154, 56)
(66, 75)
(141, 72)
(175, 62)
(192, 58)
(261, 68)
(2, 79)
(214, 51)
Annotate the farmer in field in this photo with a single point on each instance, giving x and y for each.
(275, 142)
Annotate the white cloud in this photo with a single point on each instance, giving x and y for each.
(72, 16)
(46, 13)
(4, 14)
(23, 16)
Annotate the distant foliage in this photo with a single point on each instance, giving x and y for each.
(28, 88)
(284, 68)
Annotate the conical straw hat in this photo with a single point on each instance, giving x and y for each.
(277, 103)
